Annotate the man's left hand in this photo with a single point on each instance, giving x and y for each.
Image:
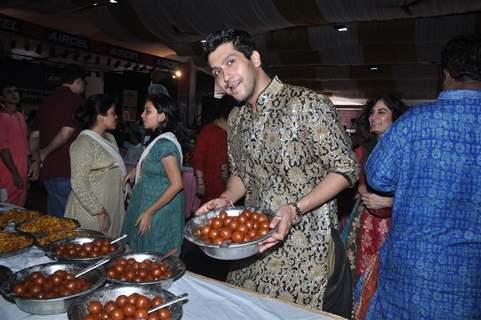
(283, 220)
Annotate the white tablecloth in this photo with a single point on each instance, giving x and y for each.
(208, 299)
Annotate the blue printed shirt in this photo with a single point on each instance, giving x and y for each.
(431, 261)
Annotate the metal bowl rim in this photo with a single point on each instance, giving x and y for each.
(8, 284)
(153, 253)
(50, 253)
(192, 238)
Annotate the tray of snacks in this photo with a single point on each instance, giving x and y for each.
(84, 249)
(45, 240)
(40, 226)
(230, 234)
(50, 288)
(16, 217)
(125, 302)
(145, 268)
(12, 243)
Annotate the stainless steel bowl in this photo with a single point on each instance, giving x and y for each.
(78, 232)
(228, 250)
(78, 310)
(55, 305)
(176, 266)
(49, 250)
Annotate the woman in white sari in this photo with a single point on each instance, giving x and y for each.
(96, 199)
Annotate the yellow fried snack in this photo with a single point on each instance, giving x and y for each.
(47, 224)
(17, 216)
(10, 242)
(59, 235)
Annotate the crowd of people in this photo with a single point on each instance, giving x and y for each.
(411, 247)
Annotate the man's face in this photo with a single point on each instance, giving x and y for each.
(10, 95)
(233, 72)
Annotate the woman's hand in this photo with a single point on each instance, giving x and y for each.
(104, 220)
(283, 220)
(214, 204)
(374, 201)
(144, 221)
(130, 177)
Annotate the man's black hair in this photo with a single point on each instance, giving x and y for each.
(241, 40)
(461, 57)
(72, 72)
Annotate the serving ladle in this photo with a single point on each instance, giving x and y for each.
(182, 297)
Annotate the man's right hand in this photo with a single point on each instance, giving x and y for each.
(34, 170)
(214, 204)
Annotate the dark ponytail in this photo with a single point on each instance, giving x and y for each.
(86, 115)
(164, 104)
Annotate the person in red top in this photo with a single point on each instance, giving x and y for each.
(13, 146)
(53, 132)
(210, 154)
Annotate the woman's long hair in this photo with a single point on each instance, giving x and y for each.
(98, 104)
(163, 104)
(368, 139)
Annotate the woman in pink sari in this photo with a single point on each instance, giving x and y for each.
(13, 147)
(372, 217)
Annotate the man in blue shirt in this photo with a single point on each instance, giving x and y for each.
(430, 264)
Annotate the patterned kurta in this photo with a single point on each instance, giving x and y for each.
(96, 183)
(281, 152)
(431, 259)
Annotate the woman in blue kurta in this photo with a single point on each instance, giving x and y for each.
(155, 216)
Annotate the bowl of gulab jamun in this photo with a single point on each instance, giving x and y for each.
(50, 288)
(144, 268)
(125, 302)
(84, 248)
(230, 234)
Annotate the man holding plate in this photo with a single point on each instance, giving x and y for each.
(287, 153)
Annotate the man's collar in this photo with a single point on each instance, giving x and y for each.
(272, 89)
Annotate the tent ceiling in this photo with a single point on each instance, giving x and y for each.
(297, 38)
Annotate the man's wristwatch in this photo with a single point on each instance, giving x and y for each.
(296, 208)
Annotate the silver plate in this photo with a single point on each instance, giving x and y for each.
(19, 251)
(176, 266)
(55, 305)
(49, 250)
(41, 234)
(228, 250)
(78, 310)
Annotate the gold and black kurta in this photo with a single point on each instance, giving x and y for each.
(281, 150)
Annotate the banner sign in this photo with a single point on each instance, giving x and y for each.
(34, 31)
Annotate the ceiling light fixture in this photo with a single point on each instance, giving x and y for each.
(178, 73)
(203, 41)
(113, 1)
(341, 28)
(374, 68)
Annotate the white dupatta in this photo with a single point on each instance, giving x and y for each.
(109, 147)
(167, 135)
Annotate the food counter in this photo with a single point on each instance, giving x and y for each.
(208, 298)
